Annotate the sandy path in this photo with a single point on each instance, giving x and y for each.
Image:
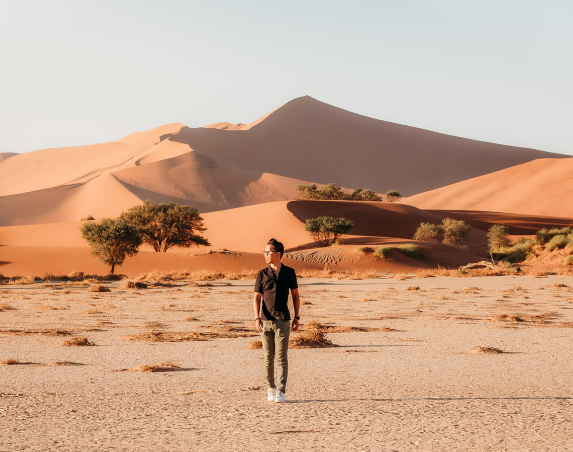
(383, 391)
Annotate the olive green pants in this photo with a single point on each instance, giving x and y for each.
(275, 337)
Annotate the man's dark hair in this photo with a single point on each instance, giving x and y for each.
(278, 246)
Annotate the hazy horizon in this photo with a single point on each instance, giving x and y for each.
(78, 73)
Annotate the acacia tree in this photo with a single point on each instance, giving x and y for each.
(111, 240)
(327, 230)
(166, 225)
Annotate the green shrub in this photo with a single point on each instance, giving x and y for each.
(327, 230)
(518, 252)
(563, 231)
(569, 260)
(544, 236)
(364, 250)
(557, 242)
(497, 237)
(364, 194)
(393, 195)
(456, 232)
(411, 250)
(383, 252)
(428, 232)
(88, 218)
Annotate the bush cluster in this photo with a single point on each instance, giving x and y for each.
(547, 240)
(382, 252)
(411, 250)
(333, 192)
(450, 232)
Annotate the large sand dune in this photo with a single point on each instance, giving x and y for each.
(308, 139)
(58, 247)
(540, 187)
(142, 166)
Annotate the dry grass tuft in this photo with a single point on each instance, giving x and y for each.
(412, 288)
(154, 326)
(21, 280)
(10, 362)
(134, 285)
(165, 336)
(6, 307)
(76, 342)
(255, 345)
(386, 329)
(312, 335)
(98, 288)
(507, 318)
(50, 333)
(64, 363)
(485, 350)
(167, 366)
(51, 307)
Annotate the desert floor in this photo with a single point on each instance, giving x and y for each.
(405, 382)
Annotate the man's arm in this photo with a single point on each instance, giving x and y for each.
(296, 303)
(257, 309)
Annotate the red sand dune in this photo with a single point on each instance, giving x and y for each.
(164, 172)
(308, 139)
(540, 187)
(59, 249)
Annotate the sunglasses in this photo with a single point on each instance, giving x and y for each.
(266, 253)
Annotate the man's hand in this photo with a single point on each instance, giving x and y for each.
(294, 325)
(259, 325)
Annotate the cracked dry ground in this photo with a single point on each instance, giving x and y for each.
(405, 374)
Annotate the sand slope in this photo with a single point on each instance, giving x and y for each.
(308, 139)
(540, 187)
(59, 248)
(70, 183)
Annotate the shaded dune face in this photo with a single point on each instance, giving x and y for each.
(538, 188)
(311, 140)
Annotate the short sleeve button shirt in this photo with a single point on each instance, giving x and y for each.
(275, 290)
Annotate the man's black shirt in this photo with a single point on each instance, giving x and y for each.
(275, 291)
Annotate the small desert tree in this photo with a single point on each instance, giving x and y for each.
(327, 230)
(429, 232)
(456, 232)
(393, 195)
(111, 240)
(166, 225)
(497, 237)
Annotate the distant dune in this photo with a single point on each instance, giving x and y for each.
(104, 180)
(242, 177)
(540, 187)
(308, 139)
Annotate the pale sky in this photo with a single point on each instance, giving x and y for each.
(76, 72)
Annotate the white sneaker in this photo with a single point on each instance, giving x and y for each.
(280, 397)
(271, 394)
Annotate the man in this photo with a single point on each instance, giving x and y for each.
(273, 319)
